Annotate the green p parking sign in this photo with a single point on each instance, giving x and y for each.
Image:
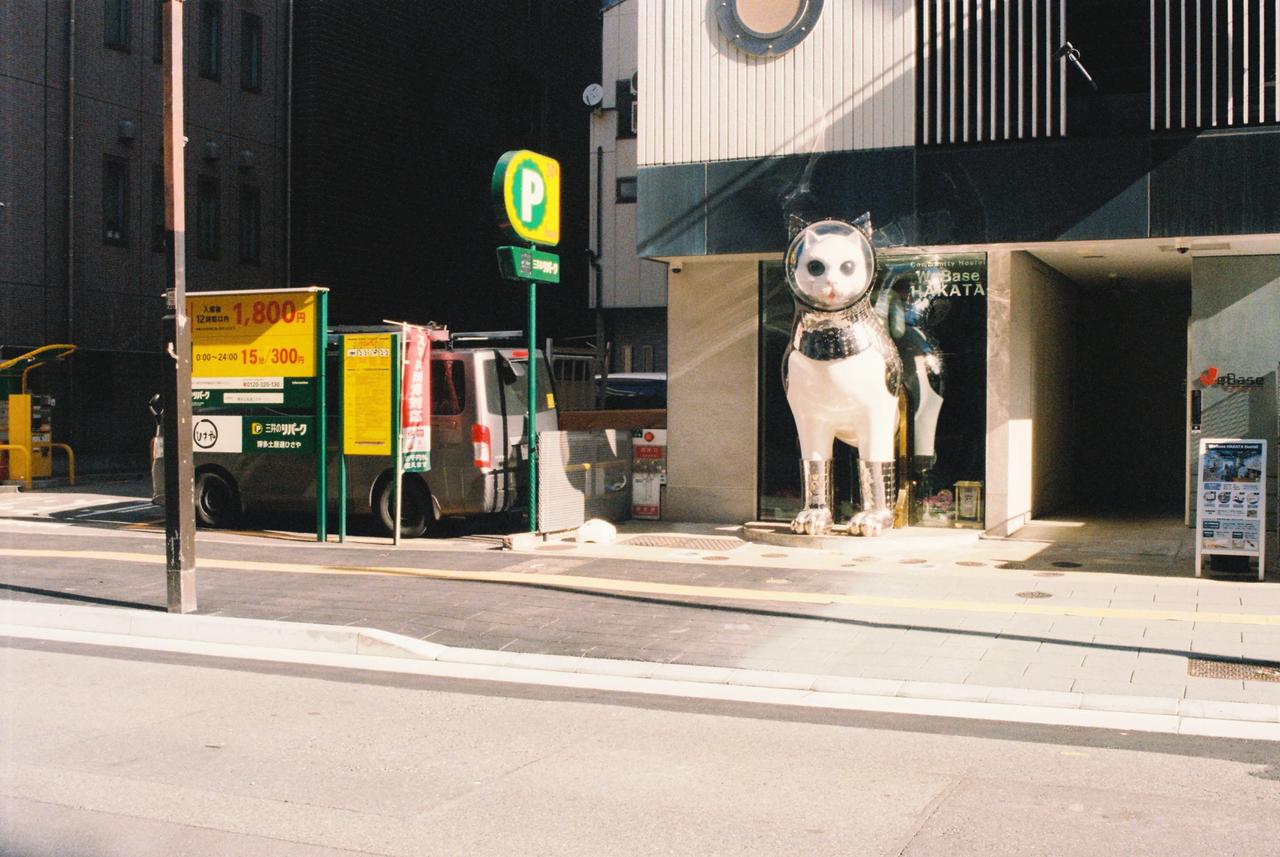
(526, 197)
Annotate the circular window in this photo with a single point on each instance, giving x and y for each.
(767, 27)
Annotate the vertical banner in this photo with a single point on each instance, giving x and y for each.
(1231, 507)
(415, 400)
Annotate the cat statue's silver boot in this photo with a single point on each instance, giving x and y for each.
(815, 518)
(879, 487)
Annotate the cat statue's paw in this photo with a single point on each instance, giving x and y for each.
(812, 522)
(871, 522)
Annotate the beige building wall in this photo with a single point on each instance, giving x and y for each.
(712, 392)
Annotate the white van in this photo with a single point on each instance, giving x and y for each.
(479, 450)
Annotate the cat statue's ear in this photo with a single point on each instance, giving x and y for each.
(864, 223)
(795, 225)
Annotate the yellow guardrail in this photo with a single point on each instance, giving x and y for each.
(26, 452)
(71, 457)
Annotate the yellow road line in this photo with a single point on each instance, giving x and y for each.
(643, 587)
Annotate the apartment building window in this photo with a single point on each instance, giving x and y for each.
(628, 107)
(157, 40)
(250, 53)
(211, 40)
(208, 217)
(159, 238)
(250, 225)
(626, 189)
(116, 31)
(115, 201)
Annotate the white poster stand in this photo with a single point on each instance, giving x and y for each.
(1231, 500)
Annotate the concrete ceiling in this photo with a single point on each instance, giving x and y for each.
(1145, 262)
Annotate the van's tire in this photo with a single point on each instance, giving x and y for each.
(217, 501)
(416, 516)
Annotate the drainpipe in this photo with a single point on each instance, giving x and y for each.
(602, 368)
(71, 170)
(288, 160)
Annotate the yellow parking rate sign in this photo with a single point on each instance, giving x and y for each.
(526, 197)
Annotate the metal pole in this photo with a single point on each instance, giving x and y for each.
(342, 438)
(397, 471)
(322, 418)
(533, 406)
(180, 523)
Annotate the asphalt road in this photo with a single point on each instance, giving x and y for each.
(108, 752)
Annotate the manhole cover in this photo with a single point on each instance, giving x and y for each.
(1233, 670)
(911, 562)
(702, 543)
(1048, 574)
(714, 558)
(969, 563)
(1012, 566)
(1034, 594)
(1067, 564)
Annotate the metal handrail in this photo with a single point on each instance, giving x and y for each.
(19, 448)
(71, 456)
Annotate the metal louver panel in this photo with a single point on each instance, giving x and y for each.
(1214, 63)
(988, 72)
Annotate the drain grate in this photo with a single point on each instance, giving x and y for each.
(1033, 594)
(1233, 670)
(1010, 566)
(696, 543)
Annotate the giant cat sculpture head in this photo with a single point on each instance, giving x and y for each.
(830, 265)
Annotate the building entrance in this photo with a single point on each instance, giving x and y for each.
(1127, 422)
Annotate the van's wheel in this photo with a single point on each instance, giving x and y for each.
(217, 502)
(415, 508)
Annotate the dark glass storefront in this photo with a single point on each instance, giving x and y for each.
(935, 308)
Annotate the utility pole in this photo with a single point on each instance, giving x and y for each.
(179, 478)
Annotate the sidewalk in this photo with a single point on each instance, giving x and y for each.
(942, 615)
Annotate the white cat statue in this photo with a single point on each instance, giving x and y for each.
(842, 374)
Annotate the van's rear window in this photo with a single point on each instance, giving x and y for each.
(448, 387)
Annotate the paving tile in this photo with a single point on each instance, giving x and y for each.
(1170, 690)
(1222, 710)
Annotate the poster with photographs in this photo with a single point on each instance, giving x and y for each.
(1231, 502)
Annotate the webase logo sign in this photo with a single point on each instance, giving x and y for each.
(1211, 377)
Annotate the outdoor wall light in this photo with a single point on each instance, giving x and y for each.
(767, 27)
(246, 159)
(126, 131)
(211, 151)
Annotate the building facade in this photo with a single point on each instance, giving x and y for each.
(1085, 191)
(82, 253)
(629, 292)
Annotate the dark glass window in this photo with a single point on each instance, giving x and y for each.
(250, 53)
(116, 29)
(208, 217)
(211, 40)
(157, 40)
(250, 224)
(625, 98)
(158, 236)
(115, 200)
(448, 387)
(626, 189)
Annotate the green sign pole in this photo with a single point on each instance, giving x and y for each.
(322, 450)
(533, 406)
(342, 440)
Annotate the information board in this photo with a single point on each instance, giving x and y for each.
(253, 348)
(366, 394)
(1231, 504)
